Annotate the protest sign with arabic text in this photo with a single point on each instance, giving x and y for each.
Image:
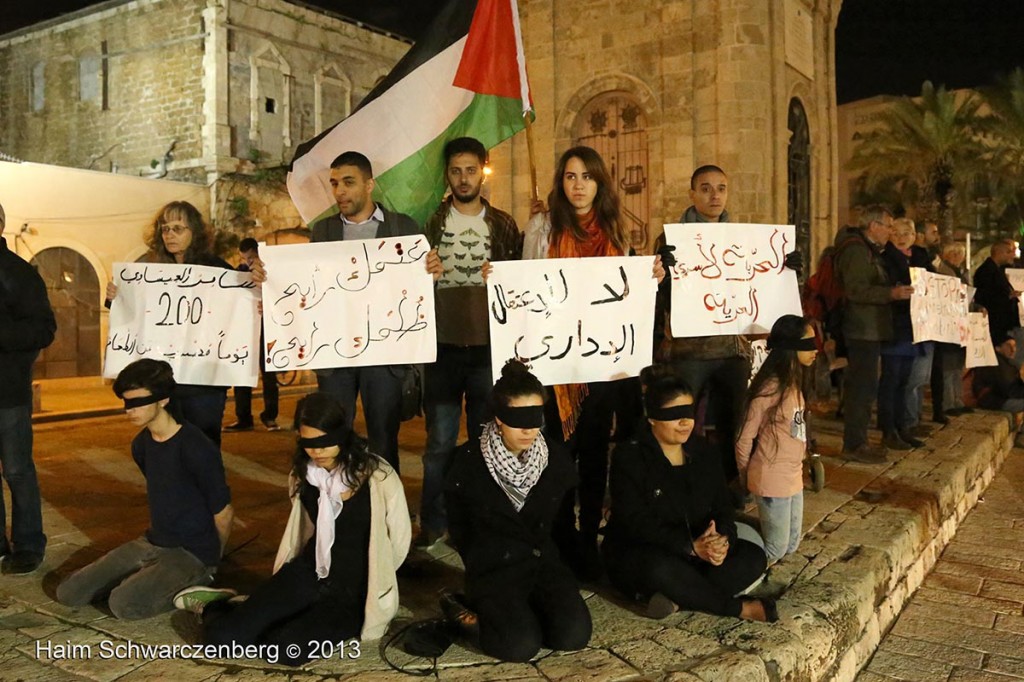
(202, 320)
(730, 278)
(980, 351)
(1016, 278)
(938, 307)
(348, 304)
(573, 320)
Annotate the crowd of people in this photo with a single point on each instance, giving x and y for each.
(526, 499)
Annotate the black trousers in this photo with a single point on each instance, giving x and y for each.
(588, 445)
(694, 585)
(860, 390)
(293, 607)
(516, 622)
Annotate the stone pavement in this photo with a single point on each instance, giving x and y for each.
(871, 537)
(966, 622)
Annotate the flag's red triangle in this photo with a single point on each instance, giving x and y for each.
(489, 64)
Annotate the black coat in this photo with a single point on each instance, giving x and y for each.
(502, 549)
(645, 510)
(993, 294)
(27, 326)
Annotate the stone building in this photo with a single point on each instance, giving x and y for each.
(661, 87)
(193, 90)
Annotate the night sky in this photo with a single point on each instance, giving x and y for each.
(882, 46)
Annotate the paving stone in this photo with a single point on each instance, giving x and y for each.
(965, 555)
(732, 665)
(614, 623)
(946, 567)
(967, 601)
(27, 669)
(589, 665)
(870, 676)
(910, 668)
(82, 615)
(819, 635)
(1001, 590)
(955, 656)
(1009, 623)
(250, 675)
(650, 657)
(979, 639)
(964, 675)
(950, 613)
(956, 583)
(680, 677)
(509, 672)
(85, 652)
(986, 551)
(177, 670)
(1006, 665)
(687, 643)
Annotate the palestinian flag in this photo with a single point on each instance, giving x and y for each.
(465, 77)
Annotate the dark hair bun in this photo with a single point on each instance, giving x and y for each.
(514, 368)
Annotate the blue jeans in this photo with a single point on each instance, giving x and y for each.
(920, 376)
(20, 472)
(204, 409)
(781, 524)
(460, 371)
(380, 389)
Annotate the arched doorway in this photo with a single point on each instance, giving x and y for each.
(74, 292)
(614, 124)
(799, 172)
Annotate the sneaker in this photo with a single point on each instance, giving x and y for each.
(909, 439)
(271, 424)
(238, 426)
(195, 599)
(427, 538)
(866, 454)
(892, 441)
(21, 563)
(659, 606)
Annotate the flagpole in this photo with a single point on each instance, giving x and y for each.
(534, 191)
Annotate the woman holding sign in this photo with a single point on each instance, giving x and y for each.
(584, 220)
(671, 538)
(180, 236)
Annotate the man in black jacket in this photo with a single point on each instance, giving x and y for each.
(379, 386)
(994, 291)
(27, 326)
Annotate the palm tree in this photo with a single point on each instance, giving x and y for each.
(928, 147)
(1004, 129)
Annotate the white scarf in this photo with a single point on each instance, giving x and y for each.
(515, 475)
(332, 487)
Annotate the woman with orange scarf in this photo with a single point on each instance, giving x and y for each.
(584, 221)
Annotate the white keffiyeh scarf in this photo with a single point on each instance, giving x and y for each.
(515, 475)
(332, 487)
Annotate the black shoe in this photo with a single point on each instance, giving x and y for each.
(892, 441)
(866, 454)
(957, 411)
(460, 616)
(20, 563)
(771, 609)
(940, 419)
(238, 426)
(909, 439)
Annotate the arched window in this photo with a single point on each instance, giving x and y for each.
(270, 103)
(614, 124)
(799, 172)
(332, 96)
(74, 292)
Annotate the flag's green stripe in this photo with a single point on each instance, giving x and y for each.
(415, 186)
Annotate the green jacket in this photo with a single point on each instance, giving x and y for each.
(867, 310)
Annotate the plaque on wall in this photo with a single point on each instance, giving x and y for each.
(799, 37)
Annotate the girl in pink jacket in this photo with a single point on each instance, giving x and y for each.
(772, 442)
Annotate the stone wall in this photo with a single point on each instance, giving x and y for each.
(714, 85)
(153, 85)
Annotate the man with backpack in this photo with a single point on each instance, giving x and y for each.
(866, 321)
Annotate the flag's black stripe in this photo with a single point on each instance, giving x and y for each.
(451, 24)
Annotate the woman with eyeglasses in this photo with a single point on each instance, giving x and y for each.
(335, 582)
(502, 494)
(671, 538)
(180, 236)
